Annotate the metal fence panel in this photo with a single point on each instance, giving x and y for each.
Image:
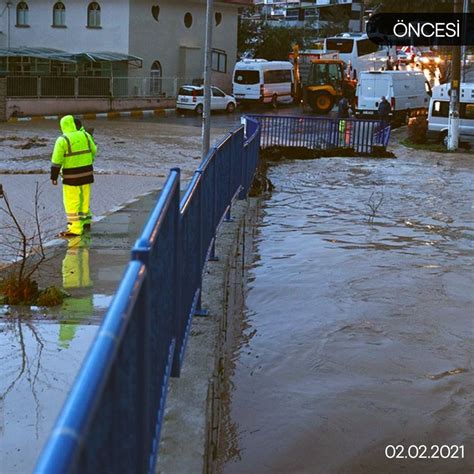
(94, 86)
(57, 87)
(322, 133)
(161, 232)
(22, 87)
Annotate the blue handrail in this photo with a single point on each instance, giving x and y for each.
(112, 418)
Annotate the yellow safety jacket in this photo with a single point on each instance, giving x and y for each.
(73, 155)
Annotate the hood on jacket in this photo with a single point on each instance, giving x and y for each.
(67, 124)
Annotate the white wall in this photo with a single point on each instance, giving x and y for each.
(180, 50)
(76, 37)
(129, 27)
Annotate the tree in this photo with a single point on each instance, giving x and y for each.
(420, 6)
(275, 43)
(260, 39)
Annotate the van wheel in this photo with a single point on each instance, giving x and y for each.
(407, 116)
(443, 138)
(199, 109)
(274, 101)
(230, 108)
(321, 103)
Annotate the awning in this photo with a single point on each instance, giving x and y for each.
(104, 56)
(64, 56)
(42, 53)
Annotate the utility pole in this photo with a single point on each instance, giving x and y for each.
(453, 119)
(206, 113)
(464, 33)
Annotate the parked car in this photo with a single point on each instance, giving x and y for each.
(192, 98)
(407, 91)
(404, 58)
(439, 112)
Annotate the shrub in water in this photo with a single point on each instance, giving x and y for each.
(18, 292)
(51, 296)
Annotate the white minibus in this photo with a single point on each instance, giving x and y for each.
(439, 111)
(258, 80)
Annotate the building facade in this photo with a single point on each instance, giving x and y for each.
(167, 35)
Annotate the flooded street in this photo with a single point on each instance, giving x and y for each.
(358, 328)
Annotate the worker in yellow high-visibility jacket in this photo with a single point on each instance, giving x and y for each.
(73, 157)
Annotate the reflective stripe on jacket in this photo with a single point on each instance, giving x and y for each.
(73, 155)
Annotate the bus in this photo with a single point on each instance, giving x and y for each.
(358, 52)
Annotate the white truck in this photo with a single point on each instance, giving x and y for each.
(408, 93)
(439, 112)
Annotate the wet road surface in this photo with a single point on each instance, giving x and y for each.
(358, 329)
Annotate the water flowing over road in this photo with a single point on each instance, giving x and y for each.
(358, 326)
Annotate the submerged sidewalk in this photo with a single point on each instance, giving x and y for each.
(42, 350)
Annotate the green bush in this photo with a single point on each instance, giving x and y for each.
(26, 292)
(16, 292)
(417, 129)
(51, 296)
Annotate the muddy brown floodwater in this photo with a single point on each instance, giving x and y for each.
(358, 327)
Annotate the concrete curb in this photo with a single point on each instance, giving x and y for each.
(194, 412)
(101, 115)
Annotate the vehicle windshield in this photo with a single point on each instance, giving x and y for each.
(366, 46)
(323, 73)
(343, 45)
(246, 77)
(190, 91)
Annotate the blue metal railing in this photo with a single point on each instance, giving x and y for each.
(322, 133)
(111, 420)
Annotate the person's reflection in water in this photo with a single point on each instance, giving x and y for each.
(77, 282)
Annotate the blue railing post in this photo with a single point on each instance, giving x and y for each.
(243, 171)
(212, 256)
(200, 197)
(178, 282)
(229, 164)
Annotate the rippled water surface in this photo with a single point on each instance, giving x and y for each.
(358, 325)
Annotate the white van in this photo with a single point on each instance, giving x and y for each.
(407, 91)
(439, 111)
(259, 80)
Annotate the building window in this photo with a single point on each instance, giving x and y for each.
(155, 11)
(156, 75)
(59, 14)
(93, 15)
(188, 20)
(22, 14)
(218, 17)
(219, 60)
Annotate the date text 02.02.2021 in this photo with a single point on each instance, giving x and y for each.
(422, 451)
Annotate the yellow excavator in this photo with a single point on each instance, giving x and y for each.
(321, 82)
